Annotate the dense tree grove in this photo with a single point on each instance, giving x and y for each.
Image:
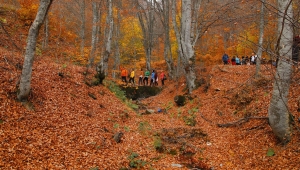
(146, 29)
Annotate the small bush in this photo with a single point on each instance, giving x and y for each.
(134, 162)
(158, 145)
(131, 105)
(113, 87)
(180, 100)
(144, 127)
(190, 120)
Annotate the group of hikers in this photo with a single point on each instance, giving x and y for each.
(235, 60)
(144, 77)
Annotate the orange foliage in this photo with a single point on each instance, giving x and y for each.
(70, 130)
(28, 9)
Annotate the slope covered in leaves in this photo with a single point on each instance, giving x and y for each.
(233, 113)
(64, 128)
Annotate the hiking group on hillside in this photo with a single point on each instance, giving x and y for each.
(144, 77)
(235, 60)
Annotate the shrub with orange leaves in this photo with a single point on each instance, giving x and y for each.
(28, 9)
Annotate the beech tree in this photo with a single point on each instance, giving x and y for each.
(177, 34)
(25, 80)
(163, 8)
(103, 65)
(278, 110)
(184, 39)
(46, 32)
(117, 25)
(82, 26)
(95, 30)
(146, 18)
(260, 40)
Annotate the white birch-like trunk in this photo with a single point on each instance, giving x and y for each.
(82, 28)
(147, 26)
(194, 28)
(186, 43)
(25, 80)
(116, 41)
(278, 112)
(167, 46)
(108, 39)
(261, 38)
(95, 30)
(177, 33)
(46, 32)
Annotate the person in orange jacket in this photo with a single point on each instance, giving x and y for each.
(124, 74)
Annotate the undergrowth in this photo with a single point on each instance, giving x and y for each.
(120, 94)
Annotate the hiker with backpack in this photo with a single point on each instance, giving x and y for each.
(237, 60)
(124, 74)
(146, 75)
(131, 77)
(163, 77)
(141, 78)
(253, 59)
(152, 81)
(233, 60)
(225, 59)
(156, 79)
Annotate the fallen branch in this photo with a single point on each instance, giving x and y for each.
(9, 36)
(206, 118)
(238, 122)
(5, 59)
(222, 70)
(255, 127)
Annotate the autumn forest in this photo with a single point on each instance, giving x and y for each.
(222, 91)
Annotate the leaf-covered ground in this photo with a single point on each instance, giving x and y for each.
(63, 127)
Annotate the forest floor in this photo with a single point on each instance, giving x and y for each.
(69, 125)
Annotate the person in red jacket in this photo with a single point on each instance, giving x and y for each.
(233, 61)
(162, 77)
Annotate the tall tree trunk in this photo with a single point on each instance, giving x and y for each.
(167, 45)
(278, 111)
(95, 31)
(46, 32)
(260, 41)
(177, 33)
(57, 39)
(147, 29)
(195, 31)
(82, 27)
(116, 41)
(186, 43)
(25, 81)
(108, 36)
